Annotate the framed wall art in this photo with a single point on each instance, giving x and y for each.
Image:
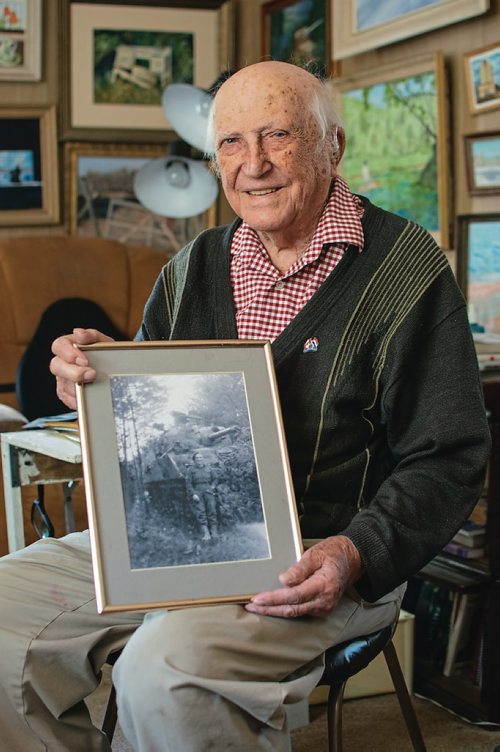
(478, 267)
(101, 202)
(397, 146)
(482, 74)
(29, 187)
(482, 159)
(297, 31)
(20, 40)
(119, 63)
(189, 491)
(361, 25)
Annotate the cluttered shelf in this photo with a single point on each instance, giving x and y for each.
(456, 600)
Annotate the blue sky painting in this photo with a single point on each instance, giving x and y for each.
(375, 12)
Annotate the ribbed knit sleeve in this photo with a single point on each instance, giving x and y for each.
(437, 436)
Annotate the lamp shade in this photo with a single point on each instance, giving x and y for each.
(187, 108)
(175, 187)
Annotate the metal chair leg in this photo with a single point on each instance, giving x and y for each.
(335, 698)
(404, 698)
(111, 715)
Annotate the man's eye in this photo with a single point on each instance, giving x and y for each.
(229, 140)
(279, 134)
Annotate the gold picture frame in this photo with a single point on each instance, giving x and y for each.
(162, 534)
(100, 200)
(357, 25)
(390, 173)
(29, 187)
(209, 30)
(21, 41)
(482, 76)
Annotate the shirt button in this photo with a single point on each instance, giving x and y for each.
(280, 285)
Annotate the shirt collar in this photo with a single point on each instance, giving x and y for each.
(340, 223)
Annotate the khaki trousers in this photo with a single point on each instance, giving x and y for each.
(209, 678)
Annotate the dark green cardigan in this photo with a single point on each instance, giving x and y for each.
(385, 422)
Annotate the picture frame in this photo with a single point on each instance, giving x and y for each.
(29, 178)
(298, 31)
(87, 28)
(20, 40)
(397, 150)
(178, 514)
(100, 198)
(362, 25)
(482, 76)
(478, 267)
(482, 160)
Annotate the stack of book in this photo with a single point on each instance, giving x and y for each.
(488, 350)
(469, 542)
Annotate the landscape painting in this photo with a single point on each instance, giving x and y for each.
(360, 25)
(101, 200)
(482, 72)
(298, 31)
(20, 164)
(134, 67)
(374, 12)
(482, 151)
(479, 269)
(393, 151)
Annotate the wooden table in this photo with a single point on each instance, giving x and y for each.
(34, 457)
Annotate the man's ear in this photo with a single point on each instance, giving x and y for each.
(338, 143)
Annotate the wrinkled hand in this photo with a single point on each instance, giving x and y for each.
(70, 365)
(315, 584)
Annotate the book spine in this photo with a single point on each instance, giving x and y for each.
(464, 551)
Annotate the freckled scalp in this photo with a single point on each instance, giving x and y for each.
(279, 88)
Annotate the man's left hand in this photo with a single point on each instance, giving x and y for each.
(315, 585)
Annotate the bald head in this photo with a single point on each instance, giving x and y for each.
(272, 78)
(276, 148)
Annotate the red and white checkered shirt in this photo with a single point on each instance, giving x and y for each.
(267, 300)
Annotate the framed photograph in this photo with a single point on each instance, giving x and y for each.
(361, 25)
(100, 198)
(297, 31)
(482, 159)
(482, 75)
(29, 187)
(189, 492)
(397, 141)
(120, 63)
(478, 267)
(20, 40)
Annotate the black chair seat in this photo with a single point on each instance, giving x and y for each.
(348, 658)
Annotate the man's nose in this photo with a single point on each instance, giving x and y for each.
(257, 160)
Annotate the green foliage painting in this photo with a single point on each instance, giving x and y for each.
(391, 154)
(133, 67)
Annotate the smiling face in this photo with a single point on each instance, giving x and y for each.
(275, 168)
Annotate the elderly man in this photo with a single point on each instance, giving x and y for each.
(385, 427)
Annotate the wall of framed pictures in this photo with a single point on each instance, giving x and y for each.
(453, 27)
(42, 45)
(469, 43)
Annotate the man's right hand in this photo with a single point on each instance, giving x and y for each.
(70, 365)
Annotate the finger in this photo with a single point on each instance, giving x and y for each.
(306, 591)
(67, 397)
(89, 336)
(71, 372)
(301, 570)
(290, 611)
